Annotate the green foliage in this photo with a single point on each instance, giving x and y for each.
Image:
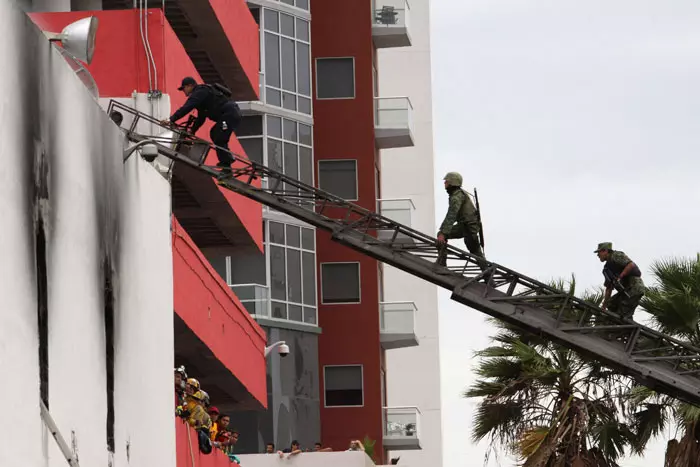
(368, 444)
(545, 403)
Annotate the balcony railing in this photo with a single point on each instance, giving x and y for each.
(254, 297)
(393, 122)
(391, 23)
(397, 324)
(402, 428)
(399, 210)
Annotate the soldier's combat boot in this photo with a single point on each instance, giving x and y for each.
(442, 257)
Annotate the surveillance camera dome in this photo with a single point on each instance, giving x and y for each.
(283, 350)
(149, 152)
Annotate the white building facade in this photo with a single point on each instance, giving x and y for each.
(407, 183)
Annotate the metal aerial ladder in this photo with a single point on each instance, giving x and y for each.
(653, 359)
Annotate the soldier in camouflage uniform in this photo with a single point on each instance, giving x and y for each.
(621, 271)
(461, 220)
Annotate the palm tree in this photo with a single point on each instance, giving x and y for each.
(547, 405)
(674, 305)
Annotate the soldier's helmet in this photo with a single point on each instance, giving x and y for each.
(453, 179)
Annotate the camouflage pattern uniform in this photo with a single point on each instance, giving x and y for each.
(632, 283)
(461, 220)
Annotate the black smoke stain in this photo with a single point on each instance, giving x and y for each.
(109, 350)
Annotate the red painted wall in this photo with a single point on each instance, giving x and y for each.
(242, 32)
(188, 454)
(344, 129)
(209, 308)
(119, 68)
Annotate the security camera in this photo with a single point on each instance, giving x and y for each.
(149, 152)
(283, 350)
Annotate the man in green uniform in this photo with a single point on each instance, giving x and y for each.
(461, 221)
(623, 275)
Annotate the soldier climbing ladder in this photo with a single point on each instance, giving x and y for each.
(653, 359)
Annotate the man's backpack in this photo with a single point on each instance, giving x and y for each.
(223, 97)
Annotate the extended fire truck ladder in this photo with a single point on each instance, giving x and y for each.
(653, 359)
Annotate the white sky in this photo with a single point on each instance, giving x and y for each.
(579, 122)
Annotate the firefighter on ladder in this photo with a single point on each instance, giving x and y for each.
(461, 221)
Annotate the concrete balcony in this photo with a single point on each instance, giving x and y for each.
(390, 23)
(255, 298)
(309, 459)
(399, 210)
(397, 325)
(393, 122)
(402, 428)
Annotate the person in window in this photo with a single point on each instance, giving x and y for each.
(356, 445)
(210, 102)
(270, 448)
(318, 447)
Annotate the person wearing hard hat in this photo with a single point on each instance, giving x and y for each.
(622, 274)
(461, 221)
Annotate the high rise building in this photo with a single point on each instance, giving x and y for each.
(326, 98)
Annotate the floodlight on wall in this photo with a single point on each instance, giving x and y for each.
(78, 38)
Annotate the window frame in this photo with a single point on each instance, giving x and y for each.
(325, 386)
(357, 179)
(359, 283)
(354, 81)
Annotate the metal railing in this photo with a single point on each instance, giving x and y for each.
(401, 423)
(393, 112)
(397, 317)
(254, 297)
(391, 13)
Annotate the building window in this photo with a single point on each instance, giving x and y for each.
(287, 147)
(335, 78)
(343, 386)
(292, 256)
(287, 59)
(340, 283)
(338, 177)
(303, 4)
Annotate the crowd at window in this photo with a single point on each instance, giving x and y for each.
(213, 428)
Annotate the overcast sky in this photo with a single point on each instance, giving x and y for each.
(579, 122)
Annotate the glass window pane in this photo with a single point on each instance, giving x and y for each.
(303, 4)
(276, 233)
(253, 148)
(335, 78)
(307, 239)
(278, 279)
(339, 178)
(289, 79)
(287, 25)
(279, 310)
(310, 315)
(304, 69)
(273, 97)
(341, 282)
(274, 154)
(271, 20)
(295, 313)
(305, 105)
(306, 169)
(274, 127)
(250, 126)
(288, 2)
(293, 275)
(293, 236)
(291, 161)
(289, 101)
(256, 14)
(305, 134)
(309, 277)
(272, 60)
(343, 385)
(302, 30)
(290, 130)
